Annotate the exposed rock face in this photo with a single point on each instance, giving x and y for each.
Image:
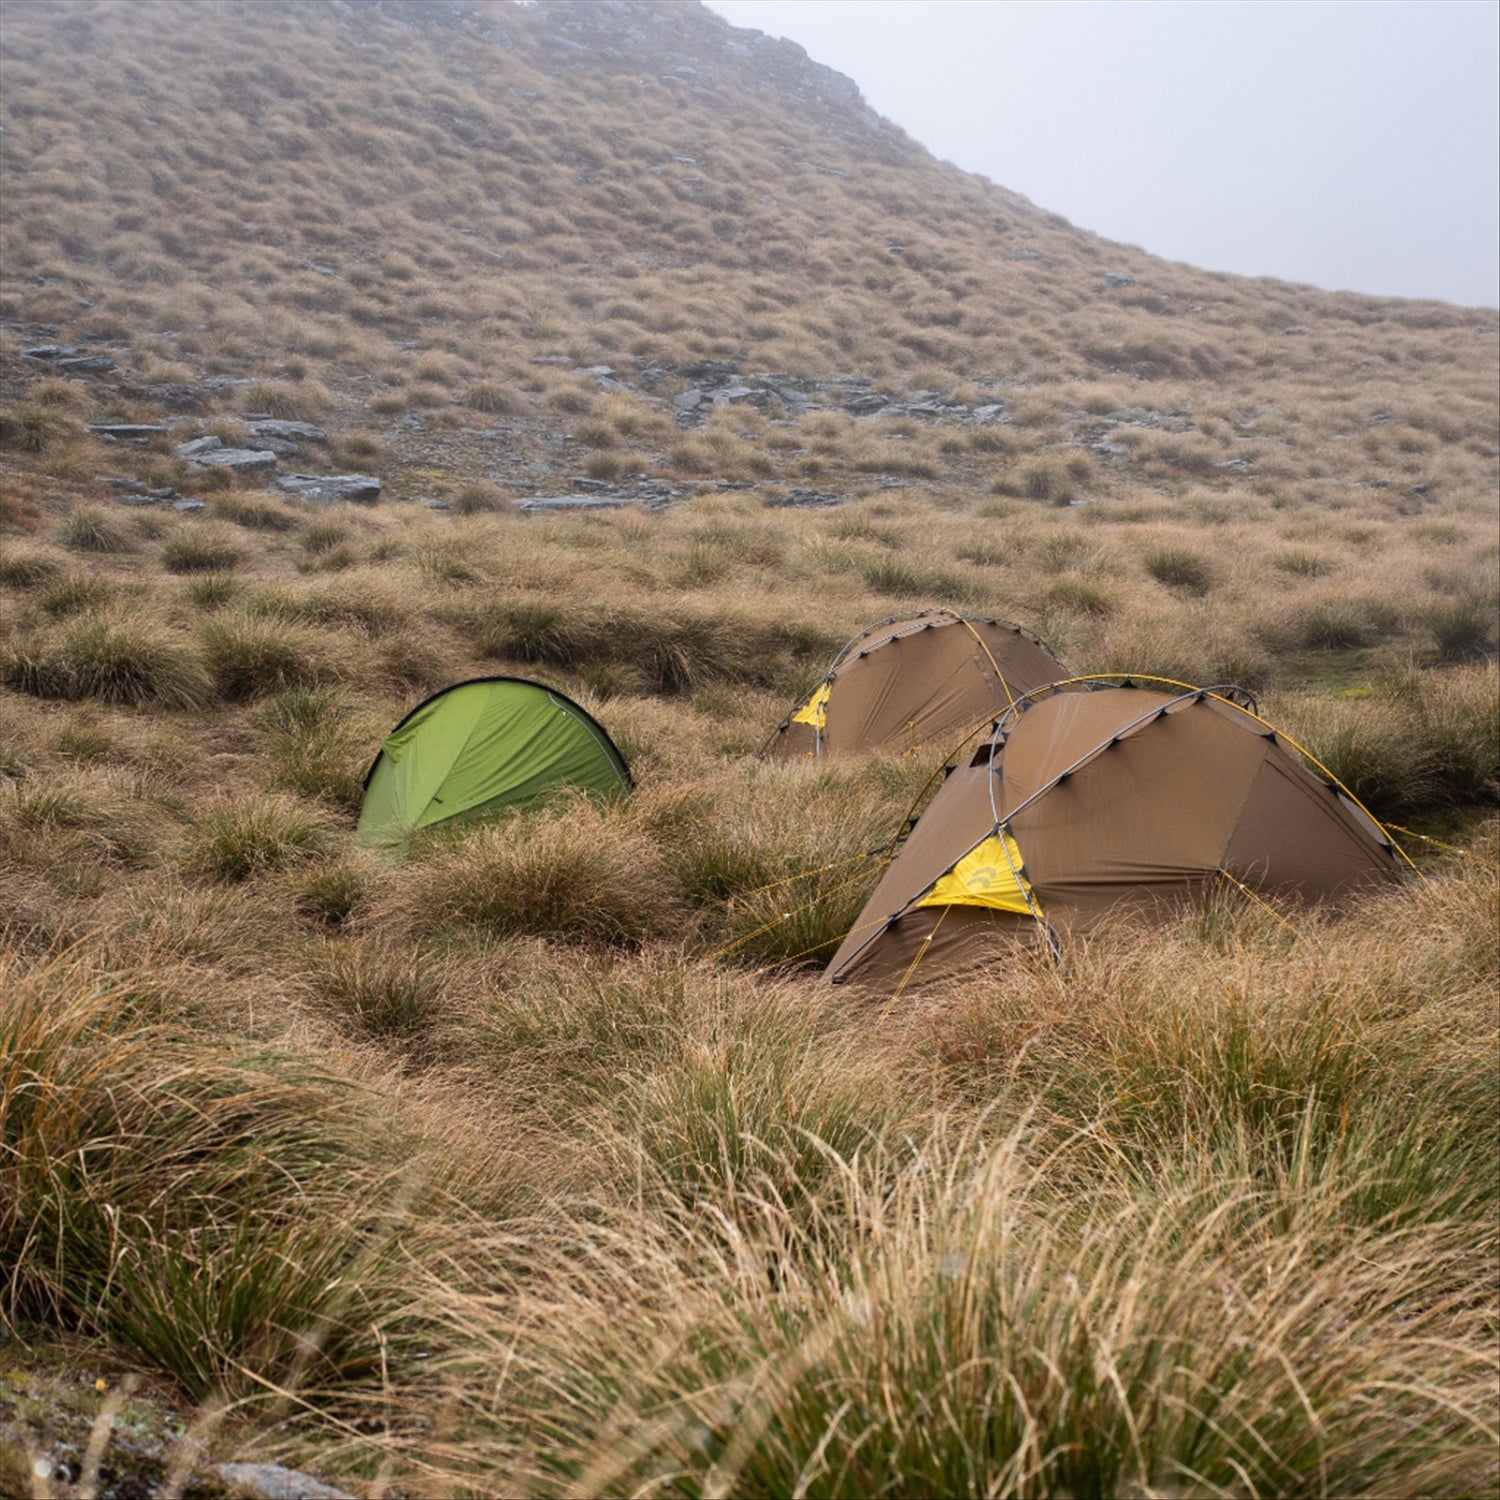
(241, 460)
(330, 489)
(555, 503)
(289, 432)
(128, 432)
(212, 452)
(275, 1482)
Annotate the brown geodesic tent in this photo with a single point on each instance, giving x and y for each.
(915, 680)
(1085, 804)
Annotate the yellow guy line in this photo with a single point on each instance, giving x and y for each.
(1439, 844)
(1259, 901)
(921, 953)
(786, 916)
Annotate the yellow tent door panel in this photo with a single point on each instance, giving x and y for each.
(813, 712)
(988, 875)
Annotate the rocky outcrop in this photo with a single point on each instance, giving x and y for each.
(212, 452)
(330, 489)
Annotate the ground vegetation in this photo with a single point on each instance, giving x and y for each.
(539, 1161)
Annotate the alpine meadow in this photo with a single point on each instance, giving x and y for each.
(354, 349)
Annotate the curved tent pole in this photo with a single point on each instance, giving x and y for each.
(915, 615)
(1218, 693)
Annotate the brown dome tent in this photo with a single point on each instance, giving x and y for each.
(914, 680)
(1086, 804)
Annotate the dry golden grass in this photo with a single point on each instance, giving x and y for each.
(540, 1163)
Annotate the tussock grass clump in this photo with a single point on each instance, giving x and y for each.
(202, 550)
(492, 398)
(782, 869)
(766, 1363)
(36, 426)
(1180, 568)
(333, 892)
(254, 512)
(77, 820)
(903, 578)
(90, 529)
(1196, 645)
(287, 400)
(252, 657)
(481, 497)
(667, 650)
(1419, 739)
(235, 840)
(1463, 627)
(361, 600)
(112, 660)
(577, 873)
(77, 593)
(22, 568)
(1330, 622)
(174, 1198)
(319, 744)
(213, 590)
(378, 994)
(321, 537)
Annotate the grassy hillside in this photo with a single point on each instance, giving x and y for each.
(539, 1162)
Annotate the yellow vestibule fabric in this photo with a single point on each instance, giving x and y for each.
(813, 711)
(984, 877)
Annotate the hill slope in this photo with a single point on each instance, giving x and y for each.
(410, 205)
(539, 1162)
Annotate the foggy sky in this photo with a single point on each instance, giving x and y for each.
(1353, 144)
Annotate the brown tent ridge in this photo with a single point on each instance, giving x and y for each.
(1084, 805)
(913, 680)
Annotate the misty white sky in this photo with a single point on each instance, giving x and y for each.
(1353, 144)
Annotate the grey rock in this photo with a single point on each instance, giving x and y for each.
(312, 265)
(741, 395)
(864, 406)
(135, 497)
(1118, 278)
(555, 503)
(128, 431)
(1106, 450)
(49, 351)
(87, 364)
(239, 460)
(798, 498)
(1024, 255)
(1237, 464)
(186, 505)
(162, 494)
(289, 432)
(197, 447)
(181, 397)
(330, 489)
(688, 400)
(1294, 333)
(132, 486)
(275, 1482)
(991, 413)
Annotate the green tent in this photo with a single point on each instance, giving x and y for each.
(479, 746)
